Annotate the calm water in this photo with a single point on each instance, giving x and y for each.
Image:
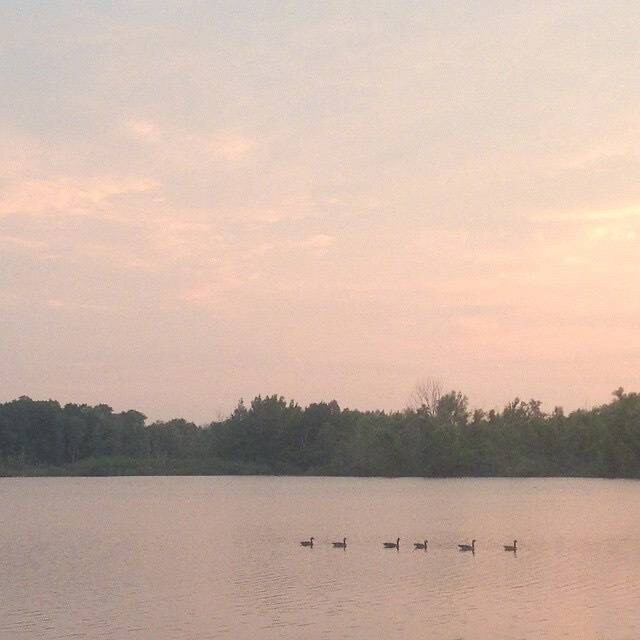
(195, 558)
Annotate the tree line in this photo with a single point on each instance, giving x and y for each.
(438, 436)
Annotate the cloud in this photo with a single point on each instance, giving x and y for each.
(230, 147)
(22, 243)
(318, 241)
(143, 130)
(624, 213)
(69, 196)
(70, 305)
(190, 146)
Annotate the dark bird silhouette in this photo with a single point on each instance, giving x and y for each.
(307, 543)
(392, 545)
(468, 547)
(340, 545)
(421, 545)
(511, 547)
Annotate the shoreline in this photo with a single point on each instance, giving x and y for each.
(107, 467)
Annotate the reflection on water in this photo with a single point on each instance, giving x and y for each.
(196, 558)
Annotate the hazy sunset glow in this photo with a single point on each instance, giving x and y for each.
(202, 201)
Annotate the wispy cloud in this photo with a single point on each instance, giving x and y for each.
(230, 147)
(67, 196)
(317, 241)
(143, 130)
(188, 145)
(631, 213)
(70, 305)
(22, 242)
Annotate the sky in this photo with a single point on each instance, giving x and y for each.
(203, 201)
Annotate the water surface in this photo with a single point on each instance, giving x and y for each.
(176, 558)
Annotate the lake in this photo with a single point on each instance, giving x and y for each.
(172, 558)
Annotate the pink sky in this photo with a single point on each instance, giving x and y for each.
(206, 201)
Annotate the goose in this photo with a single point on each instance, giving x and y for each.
(307, 543)
(468, 547)
(421, 545)
(513, 547)
(392, 545)
(340, 545)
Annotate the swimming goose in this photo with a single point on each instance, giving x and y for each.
(513, 547)
(421, 545)
(392, 545)
(468, 547)
(307, 543)
(340, 545)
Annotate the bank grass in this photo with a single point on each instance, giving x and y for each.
(126, 466)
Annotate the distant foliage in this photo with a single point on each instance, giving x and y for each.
(437, 436)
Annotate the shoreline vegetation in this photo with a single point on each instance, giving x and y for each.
(438, 436)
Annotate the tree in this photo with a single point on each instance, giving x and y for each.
(426, 396)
